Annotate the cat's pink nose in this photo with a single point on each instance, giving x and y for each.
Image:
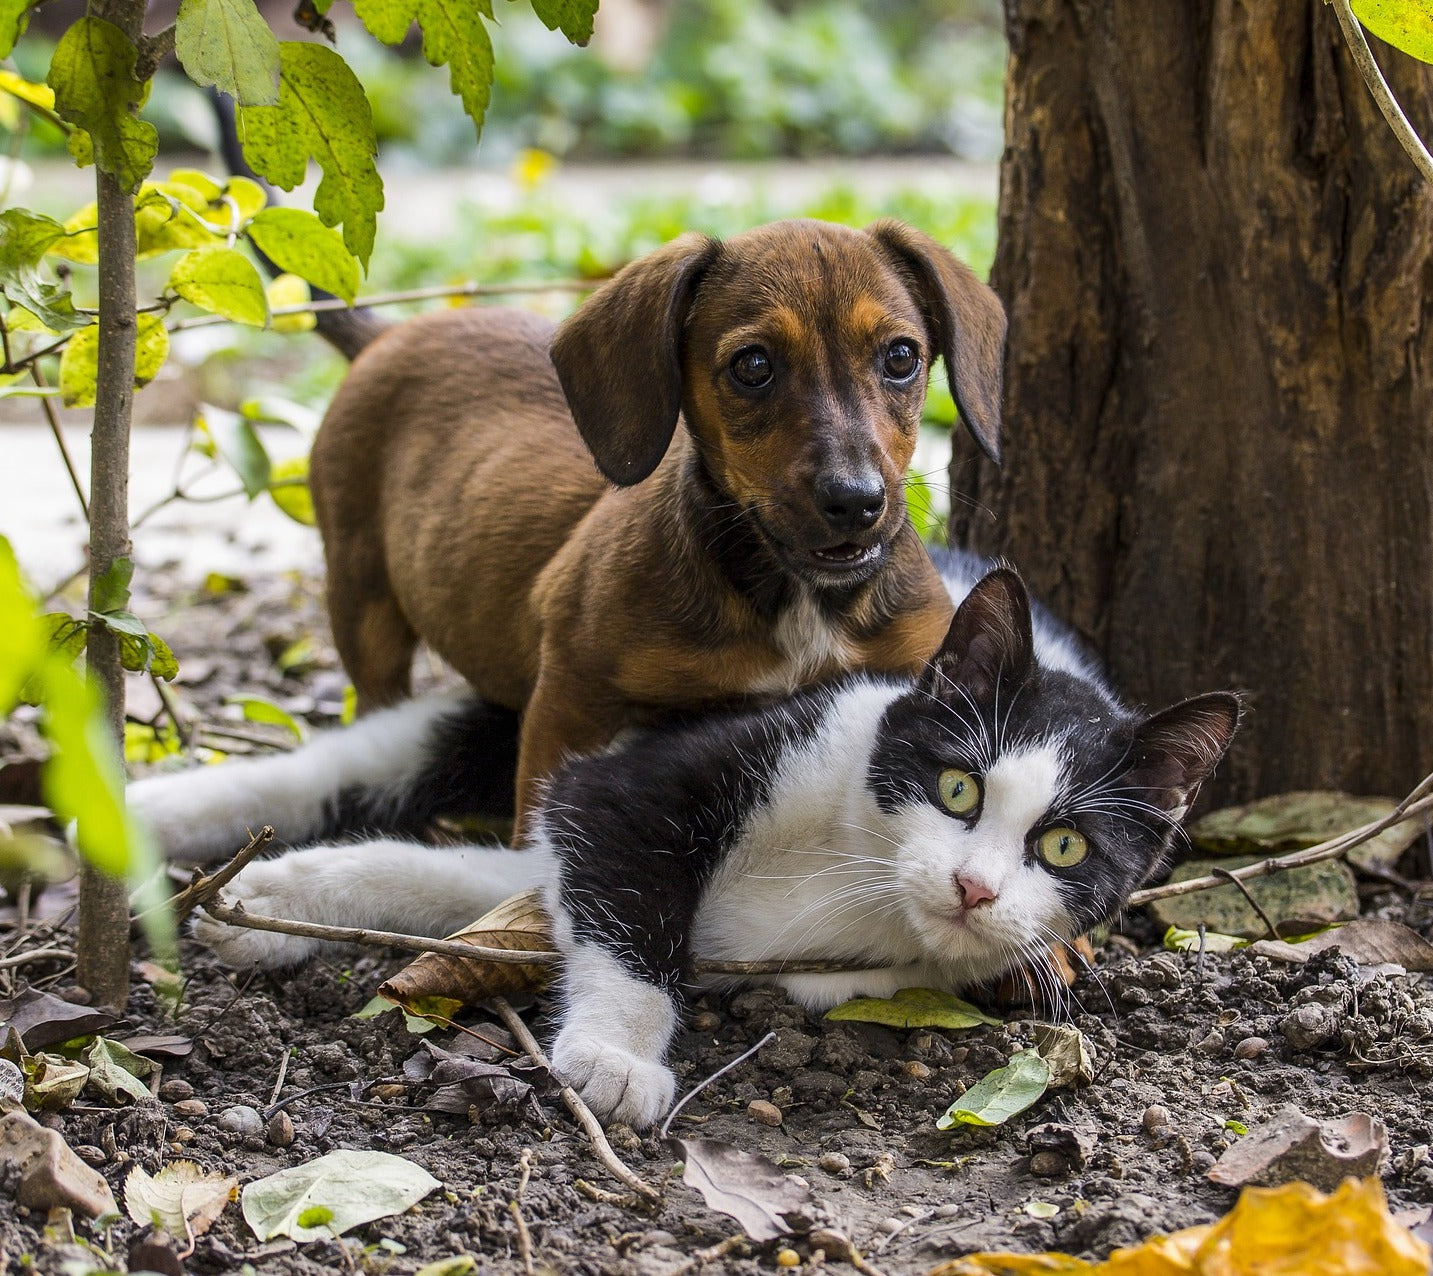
(972, 893)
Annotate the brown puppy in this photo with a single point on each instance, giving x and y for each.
(763, 547)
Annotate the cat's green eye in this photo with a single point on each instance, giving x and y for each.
(1062, 847)
(959, 791)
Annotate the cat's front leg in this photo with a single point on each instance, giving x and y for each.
(615, 1031)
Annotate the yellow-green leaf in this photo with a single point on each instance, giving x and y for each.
(1001, 1094)
(92, 74)
(224, 282)
(14, 17)
(288, 485)
(322, 113)
(913, 1008)
(228, 44)
(1405, 24)
(260, 709)
(22, 638)
(290, 290)
(572, 17)
(299, 243)
(26, 90)
(79, 360)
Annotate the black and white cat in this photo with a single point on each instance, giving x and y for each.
(938, 832)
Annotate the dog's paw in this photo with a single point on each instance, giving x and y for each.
(615, 1083)
(266, 889)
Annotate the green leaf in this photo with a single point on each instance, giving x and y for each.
(300, 244)
(21, 635)
(453, 36)
(260, 709)
(322, 113)
(115, 1071)
(1190, 941)
(25, 237)
(228, 44)
(224, 282)
(64, 635)
(121, 623)
(92, 73)
(111, 588)
(79, 365)
(573, 17)
(14, 17)
(239, 445)
(288, 485)
(1405, 24)
(1001, 1094)
(913, 1008)
(356, 1187)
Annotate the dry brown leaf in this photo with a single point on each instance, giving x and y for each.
(1368, 941)
(519, 923)
(745, 1186)
(180, 1198)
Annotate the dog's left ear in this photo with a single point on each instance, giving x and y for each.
(619, 358)
(966, 319)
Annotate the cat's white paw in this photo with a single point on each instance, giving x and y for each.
(268, 888)
(188, 814)
(615, 1083)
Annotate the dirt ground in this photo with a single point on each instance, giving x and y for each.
(1188, 1050)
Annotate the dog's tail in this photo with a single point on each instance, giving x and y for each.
(348, 330)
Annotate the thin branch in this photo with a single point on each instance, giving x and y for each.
(53, 418)
(702, 1085)
(1416, 803)
(1373, 77)
(204, 887)
(153, 49)
(575, 1105)
(397, 298)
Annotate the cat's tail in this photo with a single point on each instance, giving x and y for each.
(348, 330)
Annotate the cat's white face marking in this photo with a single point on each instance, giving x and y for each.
(1021, 788)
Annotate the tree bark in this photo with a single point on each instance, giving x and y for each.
(1218, 265)
(103, 947)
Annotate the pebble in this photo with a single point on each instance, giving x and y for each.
(241, 1119)
(389, 1091)
(1048, 1164)
(833, 1243)
(705, 1021)
(765, 1113)
(834, 1162)
(192, 1109)
(1155, 1118)
(949, 1210)
(1211, 1044)
(916, 1070)
(183, 1134)
(889, 1225)
(788, 1258)
(176, 1090)
(1251, 1048)
(280, 1130)
(89, 1154)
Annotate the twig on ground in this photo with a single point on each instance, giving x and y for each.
(524, 1237)
(712, 1254)
(1253, 903)
(702, 1085)
(279, 1080)
(1418, 802)
(204, 888)
(576, 1106)
(210, 729)
(37, 954)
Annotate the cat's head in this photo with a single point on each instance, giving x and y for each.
(1028, 803)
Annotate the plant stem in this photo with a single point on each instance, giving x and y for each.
(103, 946)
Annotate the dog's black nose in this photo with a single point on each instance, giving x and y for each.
(851, 503)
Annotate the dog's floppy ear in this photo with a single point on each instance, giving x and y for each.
(619, 358)
(966, 319)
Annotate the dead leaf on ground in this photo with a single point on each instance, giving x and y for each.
(1290, 1146)
(333, 1194)
(462, 1082)
(744, 1186)
(43, 1020)
(1294, 1228)
(163, 1046)
(519, 923)
(1367, 941)
(51, 1175)
(1295, 821)
(115, 1072)
(1067, 1052)
(180, 1198)
(913, 1008)
(1316, 893)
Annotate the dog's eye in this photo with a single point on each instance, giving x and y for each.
(752, 367)
(902, 360)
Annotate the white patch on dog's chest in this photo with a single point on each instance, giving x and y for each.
(810, 647)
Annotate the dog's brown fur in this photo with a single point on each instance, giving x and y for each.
(460, 505)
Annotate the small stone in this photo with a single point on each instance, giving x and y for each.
(788, 1258)
(1201, 1162)
(89, 1154)
(763, 1112)
(705, 1021)
(834, 1244)
(280, 1130)
(1211, 1044)
(960, 1054)
(659, 1237)
(1309, 1026)
(1251, 1048)
(241, 1119)
(916, 1070)
(782, 1096)
(176, 1090)
(183, 1134)
(889, 1225)
(390, 1091)
(1155, 1118)
(191, 1109)
(834, 1162)
(48, 1174)
(949, 1210)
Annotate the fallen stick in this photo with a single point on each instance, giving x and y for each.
(204, 887)
(575, 1105)
(1419, 801)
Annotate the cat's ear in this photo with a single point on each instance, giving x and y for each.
(989, 642)
(1175, 750)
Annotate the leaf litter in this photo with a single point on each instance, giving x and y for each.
(334, 1194)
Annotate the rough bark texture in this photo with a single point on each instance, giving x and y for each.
(1219, 271)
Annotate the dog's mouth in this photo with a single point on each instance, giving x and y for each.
(846, 557)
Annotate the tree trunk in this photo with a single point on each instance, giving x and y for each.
(1218, 266)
